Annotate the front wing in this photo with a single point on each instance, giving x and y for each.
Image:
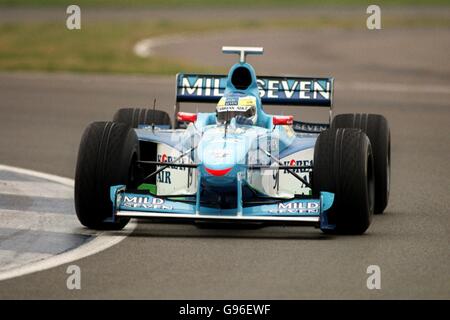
(307, 212)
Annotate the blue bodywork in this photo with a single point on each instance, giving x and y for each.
(224, 154)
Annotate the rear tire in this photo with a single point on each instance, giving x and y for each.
(343, 165)
(105, 158)
(376, 127)
(137, 116)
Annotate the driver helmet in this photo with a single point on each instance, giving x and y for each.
(241, 107)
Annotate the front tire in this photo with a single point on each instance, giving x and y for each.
(343, 165)
(106, 158)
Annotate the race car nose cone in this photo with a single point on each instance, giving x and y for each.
(218, 173)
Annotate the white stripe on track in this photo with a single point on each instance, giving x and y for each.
(35, 189)
(102, 241)
(37, 174)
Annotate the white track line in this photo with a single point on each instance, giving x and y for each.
(37, 174)
(35, 189)
(102, 241)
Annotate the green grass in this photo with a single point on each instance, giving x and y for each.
(216, 3)
(98, 47)
(106, 47)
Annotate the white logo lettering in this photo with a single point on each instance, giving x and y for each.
(305, 88)
(322, 91)
(289, 91)
(273, 85)
(261, 84)
(197, 87)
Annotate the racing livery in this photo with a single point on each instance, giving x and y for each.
(236, 164)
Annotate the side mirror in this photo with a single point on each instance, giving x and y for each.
(282, 120)
(186, 116)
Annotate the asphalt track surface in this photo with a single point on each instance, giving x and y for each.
(402, 74)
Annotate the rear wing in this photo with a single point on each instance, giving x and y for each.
(289, 91)
(295, 91)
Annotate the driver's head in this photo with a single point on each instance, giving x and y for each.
(241, 107)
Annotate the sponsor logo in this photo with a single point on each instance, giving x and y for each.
(229, 101)
(236, 103)
(297, 163)
(298, 207)
(145, 203)
(165, 175)
(271, 88)
(247, 101)
(292, 163)
(174, 179)
(294, 89)
(308, 127)
(231, 108)
(165, 158)
(202, 86)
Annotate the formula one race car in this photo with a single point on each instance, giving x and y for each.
(236, 164)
